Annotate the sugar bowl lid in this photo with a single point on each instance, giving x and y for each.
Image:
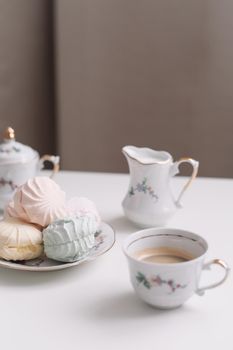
(12, 151)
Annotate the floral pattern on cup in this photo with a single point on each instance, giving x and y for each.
(143, 187)
(156, 281)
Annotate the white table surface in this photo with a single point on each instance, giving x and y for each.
(92, 306)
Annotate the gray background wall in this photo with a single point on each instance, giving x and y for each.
(155, 73)
(26, 71)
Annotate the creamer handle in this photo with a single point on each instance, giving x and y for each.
(195, 165)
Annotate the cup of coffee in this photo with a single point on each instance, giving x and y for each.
(165, 265)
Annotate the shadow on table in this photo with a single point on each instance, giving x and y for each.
(125, 306)
(123, 225)
(17, 278)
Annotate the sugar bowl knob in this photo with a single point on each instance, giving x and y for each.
(9, 134)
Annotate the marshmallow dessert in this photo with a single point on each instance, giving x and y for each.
(68, 227)
(19, 240)
(39, 201)
(70, 239)
(79, 206)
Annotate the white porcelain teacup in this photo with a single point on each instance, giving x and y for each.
(165, 265)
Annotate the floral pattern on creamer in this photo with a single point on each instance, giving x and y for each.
(156, 281)
(143, 187)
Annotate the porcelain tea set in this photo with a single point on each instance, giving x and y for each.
(149, 203)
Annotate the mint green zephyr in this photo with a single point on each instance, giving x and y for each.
(70, 239)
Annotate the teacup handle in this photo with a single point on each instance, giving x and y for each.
(195, 165)
(201, 291)
(53, 159)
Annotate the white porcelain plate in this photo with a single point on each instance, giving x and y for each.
(104, 240)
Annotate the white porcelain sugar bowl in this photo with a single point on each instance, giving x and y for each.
(18, 163)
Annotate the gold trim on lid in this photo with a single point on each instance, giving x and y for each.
(9, 133)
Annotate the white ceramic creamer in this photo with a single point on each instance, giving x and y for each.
(149, 200)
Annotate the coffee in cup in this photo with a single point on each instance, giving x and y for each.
(163, 255)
